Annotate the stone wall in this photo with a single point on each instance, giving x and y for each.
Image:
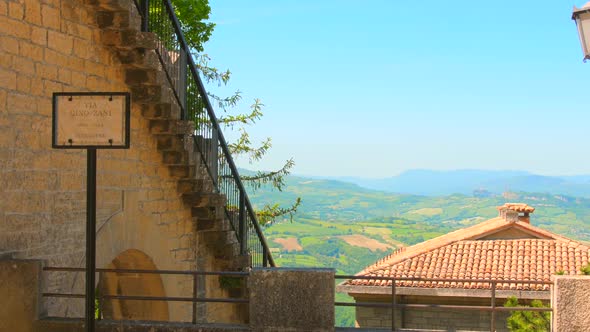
(51, 46)
(571, 303)
(61, 325)
(448, 320)
(19, 287)
(280, 300)
(292, 299)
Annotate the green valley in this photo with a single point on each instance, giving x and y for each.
(346, 227)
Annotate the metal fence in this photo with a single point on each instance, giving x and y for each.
(158, 16)
(393, 304)
(395, 285)
(194, 298)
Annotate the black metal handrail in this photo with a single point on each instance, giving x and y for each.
(158, 16)
(393, 305)
(194, 299)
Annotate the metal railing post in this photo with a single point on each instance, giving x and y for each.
(493, 312)
(264, 257)
(182, 86)
(242, 224)
(145, 12)
(215, 153)
(194, 297)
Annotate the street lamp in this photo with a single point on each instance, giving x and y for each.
(582, 18)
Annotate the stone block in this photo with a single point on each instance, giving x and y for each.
(17, 103)
(570, 303)
(291, 299)
(50, 17)
(78, 30)
(46, 71)
(64, 75)
(2, 101)
(15, 28)
(3, 8)
(23, 65)
(16, 10)
(55, 58)
(39, 36)
(9, 44)
(23, 84)
(7, 79)
(78, 78)
(60, 42)
(33, 12)
(19, 291)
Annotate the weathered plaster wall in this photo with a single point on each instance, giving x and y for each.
(290, 299)
(51, 46)
(570, 303)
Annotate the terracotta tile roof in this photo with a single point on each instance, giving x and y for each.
(464, 255)
(518, 207)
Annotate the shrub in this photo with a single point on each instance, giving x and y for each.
(528, 321)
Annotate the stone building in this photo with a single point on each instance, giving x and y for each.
(155, 208)
(507, 247)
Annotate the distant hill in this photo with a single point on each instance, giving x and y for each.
(347, 227)
(436, 183)
(338, 201)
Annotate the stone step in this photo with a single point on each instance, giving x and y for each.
(209, 225)
(169, 142)
(190, 185)
(139, 58)
(119, 19)
(112, 5)
(143, 76)
(146, 94)
(172, 157)
(242, 261)
(236, 263)
(227, 237)
(171, 127)
(151, 93)
(181, 170)
(156, 111)
(225, 251)
(135, 76)
(204, 199)
(128, 39)
(142, 67)
(208, 212)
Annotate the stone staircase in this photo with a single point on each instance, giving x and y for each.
(120, 23)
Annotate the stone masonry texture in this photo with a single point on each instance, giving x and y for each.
(19, 287)
(51, 46)
(288, 299)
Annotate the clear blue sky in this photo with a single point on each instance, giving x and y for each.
(372, 88)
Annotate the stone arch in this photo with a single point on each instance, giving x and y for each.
(139, 284)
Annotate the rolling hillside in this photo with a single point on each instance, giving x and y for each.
(347, 227)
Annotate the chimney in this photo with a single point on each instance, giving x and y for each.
(513, 212)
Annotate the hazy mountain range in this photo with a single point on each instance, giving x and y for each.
(436, 183)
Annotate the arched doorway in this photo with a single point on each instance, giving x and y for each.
(139, 284)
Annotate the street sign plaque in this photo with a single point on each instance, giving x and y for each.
(91, 121)
(84, 120)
